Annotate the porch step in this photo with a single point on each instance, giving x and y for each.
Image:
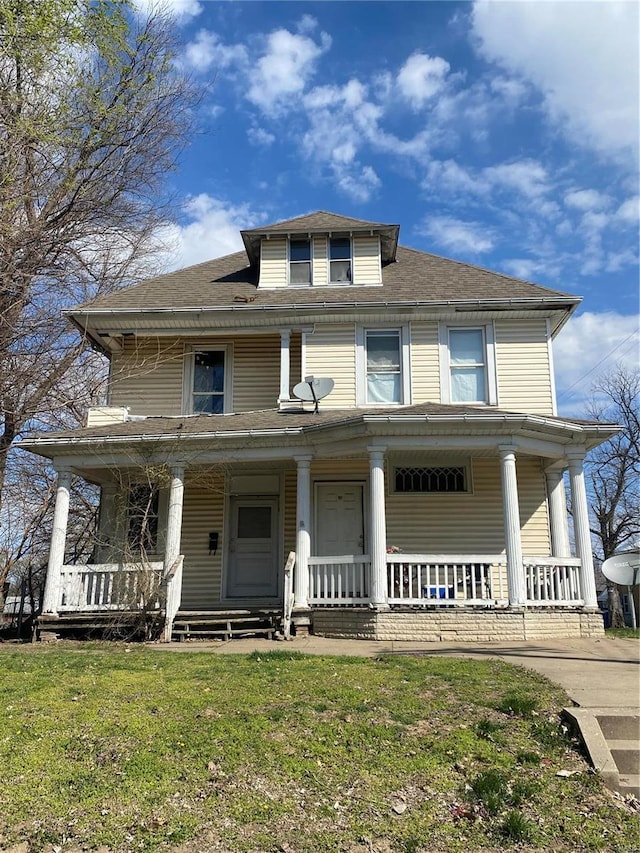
(225, 625)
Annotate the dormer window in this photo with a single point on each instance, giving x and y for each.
(340, 260)
(300, 262)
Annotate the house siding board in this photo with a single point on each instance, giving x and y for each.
(290, 508)
(331, 352)
(320, 271)
(425, 371)
(256, 372)
(522, 361)
(273, 264)
(366, 260)
(432, 524)
(203, 512)
(146, 376)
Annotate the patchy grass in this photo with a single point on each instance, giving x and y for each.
(145, 750)
(624, 633)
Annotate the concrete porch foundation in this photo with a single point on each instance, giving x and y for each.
(448, 625)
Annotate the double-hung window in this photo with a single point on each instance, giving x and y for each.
(468, 364)
(208, 386)
(340, 260)
(383, 371)
(300, 262)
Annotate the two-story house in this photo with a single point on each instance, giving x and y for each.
(424, 499)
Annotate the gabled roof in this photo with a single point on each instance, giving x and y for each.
(322, 222)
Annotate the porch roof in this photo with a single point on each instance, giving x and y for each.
(303, 429)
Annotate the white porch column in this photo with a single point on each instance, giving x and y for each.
(303, 534)
(581, 526)
(378, 529)
(557, 514)
(174, 517)
(58, 541)
(513, 542)
(285, 365)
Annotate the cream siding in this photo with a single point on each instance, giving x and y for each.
(320, 263)
(366, 260)
(295, 360)
(330, 351)
(469, 523)
(290, 510)
(425, 373)
(146, 376)
(203, 512)
(273, 263)
(524, 372)
(256, 372)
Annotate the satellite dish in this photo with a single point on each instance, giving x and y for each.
(312, 390)
(623, 569)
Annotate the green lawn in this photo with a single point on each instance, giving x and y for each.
(139, 749)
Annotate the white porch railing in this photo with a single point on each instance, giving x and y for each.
(444, 580)
(553, 581)
(437, 579)
(111, 586)
(339, 579)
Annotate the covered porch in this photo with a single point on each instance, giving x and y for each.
(381, 585)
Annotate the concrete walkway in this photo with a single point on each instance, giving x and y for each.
(603, 673)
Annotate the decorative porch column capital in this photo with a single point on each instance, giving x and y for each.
(575, 457)
(285, 334)
(507, 450)
(303, 461)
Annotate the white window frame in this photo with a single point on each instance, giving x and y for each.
(404, 333)
(187, 385)
(491, 385)
(308, 240)
(329, 262)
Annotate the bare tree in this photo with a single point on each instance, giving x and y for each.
(613, 470)
(92, 116)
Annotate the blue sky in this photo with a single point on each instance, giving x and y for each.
(504, 134)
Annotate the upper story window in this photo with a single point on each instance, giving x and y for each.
(383, 366)
(340, 260)
(208, 382)
(384, 373)
(300, 262)
(467, 363)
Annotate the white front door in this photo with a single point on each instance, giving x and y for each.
(252, 568)
(339, 519)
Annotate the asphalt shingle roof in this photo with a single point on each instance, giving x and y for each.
(414, 277)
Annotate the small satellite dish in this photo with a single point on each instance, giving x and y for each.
(623, 569)
(312, 390)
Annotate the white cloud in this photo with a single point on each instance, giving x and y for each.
(586, 200)
(528, 177)
(212, 229)
(421, 77)
(524, 268)
(307, 24)
(458, 236)
(360, 186)
(182, 10)
(284, 69)
(589, 346)
(582, 56)
(206, 51)
(629, 210)
(260, 137)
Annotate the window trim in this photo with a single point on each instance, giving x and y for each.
(329, 262)
(489, 340)
(189, 370)
(308, 240)
(404, 333)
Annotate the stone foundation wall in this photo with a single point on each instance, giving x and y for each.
(456, 626)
